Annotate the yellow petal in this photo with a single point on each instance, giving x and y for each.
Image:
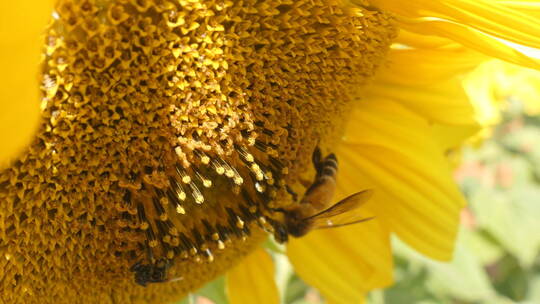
(445, 102)
(21, 25)
(453, 136)
(398, 157)
(430, 82)
(419, 41)
(427, 66)
(487, 16)
(344, 263)
(529, 7)
(472, 39)
(480, 85)
(252, 281)
(492, 83)
(441, 99)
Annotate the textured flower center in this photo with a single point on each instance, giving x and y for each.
(170, 129)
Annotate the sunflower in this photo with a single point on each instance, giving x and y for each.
(171, 131)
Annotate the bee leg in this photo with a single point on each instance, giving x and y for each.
(142, 273)
(141, 279)
(281, 210)
(281, 236)
(136, 267)
(317, 160)
(292, 193)
(280, 233)
(305, 183)
(149, 252)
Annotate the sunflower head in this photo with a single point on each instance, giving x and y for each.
(169, 131)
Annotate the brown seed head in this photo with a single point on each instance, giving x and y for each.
(169, 129)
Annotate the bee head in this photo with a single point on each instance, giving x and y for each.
(280, 234)
(296, 225)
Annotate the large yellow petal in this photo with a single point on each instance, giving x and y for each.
(487, 16)
(399, 158)
(21, 25)
(424, 80)
(420, 41)
(344, 263)
(427, 66)
(472, 39)
(453, 136)
(444, 102)
(529, 7)
(252, 281)
(495, 81)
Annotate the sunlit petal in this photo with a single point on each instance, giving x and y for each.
(495, 81)
(453, 136)
(427, 66)
(444, 102)
(397, 156)
(21, 25)
(252, 281)
(472, 39)
(344, 263)
(487, 16)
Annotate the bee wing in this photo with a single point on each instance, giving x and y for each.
(343, 212)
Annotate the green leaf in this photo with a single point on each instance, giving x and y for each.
(511, 217)
(509, 278)
(296, 290)
(482, 246)
(463, 278)
(534, 288)
(215, 291)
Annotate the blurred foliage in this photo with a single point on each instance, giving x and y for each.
(497, 259)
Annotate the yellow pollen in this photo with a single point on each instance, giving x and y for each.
(210, 256)
(186, 179)
(239, 223)
(238, 180)
(180, 210)
(182, 196)
(220, 170)
(221, 245)
(207, 183)
(229, 173)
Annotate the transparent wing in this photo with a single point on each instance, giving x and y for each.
(331, 224)
(343, 212)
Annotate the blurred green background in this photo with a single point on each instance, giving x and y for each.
(497, 259)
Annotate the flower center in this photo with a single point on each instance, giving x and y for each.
(171, 130)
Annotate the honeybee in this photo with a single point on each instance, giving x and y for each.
(314, 211)
(152, 273)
